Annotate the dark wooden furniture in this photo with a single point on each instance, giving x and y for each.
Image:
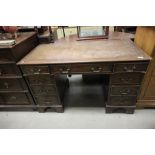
(145, 39)
(14, 92)
(123, 62)
(44, 32)
(46, 36)
(127, 29)
(39, 29)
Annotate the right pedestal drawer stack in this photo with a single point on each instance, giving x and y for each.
(124, 86)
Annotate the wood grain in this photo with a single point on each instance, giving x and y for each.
(69, 50)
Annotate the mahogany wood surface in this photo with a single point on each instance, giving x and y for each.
(69, 50)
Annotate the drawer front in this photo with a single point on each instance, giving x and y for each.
(30, 70)
(124, 90)
(130, 67)
(5, 55)
(43, 89)
(126, 78)
(48, 100)
(9, 70)
(82, 68)
(12, 84)
(40, 79)
(14, 99)
(122, 100)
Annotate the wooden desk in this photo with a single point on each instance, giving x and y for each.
(46, 66)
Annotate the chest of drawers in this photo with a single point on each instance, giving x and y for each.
(14, 91)
(47, 89)
(124, 86)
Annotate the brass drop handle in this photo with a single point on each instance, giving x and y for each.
(124, 92)
(6, 85)
(38, 71)
(96, 70)
(65, 71)
(13, 97)
(129, 70)
(126, 80)
(0, 72)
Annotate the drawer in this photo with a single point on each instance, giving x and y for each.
(126, 78)
(15, 98)
(124, 90)
(48, 100)
(9, 70)
(43, 89)
(82, 68)
(130, 67)
(122, 100)
(40, 79)
(5, 56)
(30, 70)
(12, 84)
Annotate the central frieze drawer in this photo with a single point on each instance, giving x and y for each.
(130, 67)
(14, 98)
(122, 100)
(82, 68)
(40, 79)
(9, 70)
(12, 84)
(124, 90)
(48, 100)
(43, 89)
(34, 69)
(126, 78)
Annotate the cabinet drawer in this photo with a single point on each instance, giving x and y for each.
(82, 68)
(126, 78)
(124, 90)
(5, 56)
(130, 67)
(122, 100)
(9, 70)
(43, 89)
(12, 84)
(30, 70)
(14, 98)
(40, 79)
(48, 100)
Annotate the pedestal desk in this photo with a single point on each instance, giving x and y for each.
(46, 68)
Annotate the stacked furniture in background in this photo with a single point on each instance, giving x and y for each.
(127, 29)
(145, 39)
(45, 34)
(14, 92)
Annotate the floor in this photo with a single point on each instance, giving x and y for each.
(84, 110)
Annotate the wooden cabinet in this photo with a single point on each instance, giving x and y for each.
(150, 90)
(145, 39)
(14, 91)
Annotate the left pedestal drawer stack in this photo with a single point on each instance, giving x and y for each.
(14, 92)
